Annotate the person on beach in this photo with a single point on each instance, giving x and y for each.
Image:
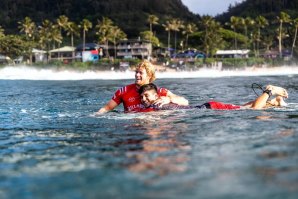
(130, 97)
(149, 95)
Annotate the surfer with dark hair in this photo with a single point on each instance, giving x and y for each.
(129, 95)
(149, 95)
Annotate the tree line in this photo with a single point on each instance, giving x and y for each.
(207, 35)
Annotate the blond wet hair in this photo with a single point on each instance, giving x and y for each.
(150, 69)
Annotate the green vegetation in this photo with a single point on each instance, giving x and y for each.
(256, 25)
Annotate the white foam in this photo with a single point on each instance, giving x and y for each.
(30, 73)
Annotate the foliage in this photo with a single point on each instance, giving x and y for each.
(148, 35)
(13, 46)
(130, 15)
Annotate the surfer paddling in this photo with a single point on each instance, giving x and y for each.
(149, 95)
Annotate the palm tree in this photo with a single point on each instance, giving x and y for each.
(49, 33)
(207, 23)
(1, 32)
(104, 32)
(295, 23)
(234, 24)
(152, 19)
(55, 36)
(85, 25)
(29, 28)
(117, 34)
(248, 23)
(282, 18)
(261, 22)
(268, 41)
(176, 26)
(72, 29)
(168, 27)
(214, 39)
(189, 29)
(62, 23)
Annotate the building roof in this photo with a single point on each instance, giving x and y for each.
(133, 41)
(34, 50)
(232, 52)
(89, 46)
(63, 49)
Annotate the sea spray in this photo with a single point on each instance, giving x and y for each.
(33, 73)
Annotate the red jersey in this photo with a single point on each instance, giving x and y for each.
(222, 106)
(131, 98)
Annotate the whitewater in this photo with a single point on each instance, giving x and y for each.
(31, 73)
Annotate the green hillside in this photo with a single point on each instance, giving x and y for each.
(266, 8)
(129, 15)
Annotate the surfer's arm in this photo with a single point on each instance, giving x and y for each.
(176, 99)
(108, 107)
(261, 101)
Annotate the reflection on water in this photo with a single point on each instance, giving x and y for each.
(53, 146)
(161, 153)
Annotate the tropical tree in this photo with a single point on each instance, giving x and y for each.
(267, 41)
(146, 35)
(152, 19)
(189, 29)
(212, 39)
(49, 34)
(117, 34)
(295, 23)
(206, 23)
(105, 32)
(168, 27)
(248, 24)
(177, 24)
(260, 22)
(62, 23)
(85, 25)
(1, 32)
(72, 29)
(28, 27)
(13, 46)
(282, 19)
(235, 23)
(55, 36)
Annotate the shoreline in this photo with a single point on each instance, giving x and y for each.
(35, 73)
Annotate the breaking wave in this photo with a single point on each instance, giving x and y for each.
(31, 73)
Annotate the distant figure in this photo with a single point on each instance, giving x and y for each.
(149, 95)
(130, 97)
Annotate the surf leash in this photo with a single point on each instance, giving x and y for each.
(257, 86)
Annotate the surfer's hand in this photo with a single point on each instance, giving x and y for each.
(162, 101)
(278, 91)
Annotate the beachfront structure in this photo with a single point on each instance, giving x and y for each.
(64, 54)
(232, 53)
(4, 59)
(39, 55)
(134, 48)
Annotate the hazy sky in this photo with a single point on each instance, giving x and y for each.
(210, 7)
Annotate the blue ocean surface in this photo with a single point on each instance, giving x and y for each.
(52, 145)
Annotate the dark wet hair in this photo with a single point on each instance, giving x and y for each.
(147, 87)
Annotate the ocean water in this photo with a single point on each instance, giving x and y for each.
(53, 146)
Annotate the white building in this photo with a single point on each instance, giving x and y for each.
(232, 53)
(134, 49)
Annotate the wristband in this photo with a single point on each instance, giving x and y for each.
(268, 92)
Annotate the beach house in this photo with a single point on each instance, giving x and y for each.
(134, 48)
